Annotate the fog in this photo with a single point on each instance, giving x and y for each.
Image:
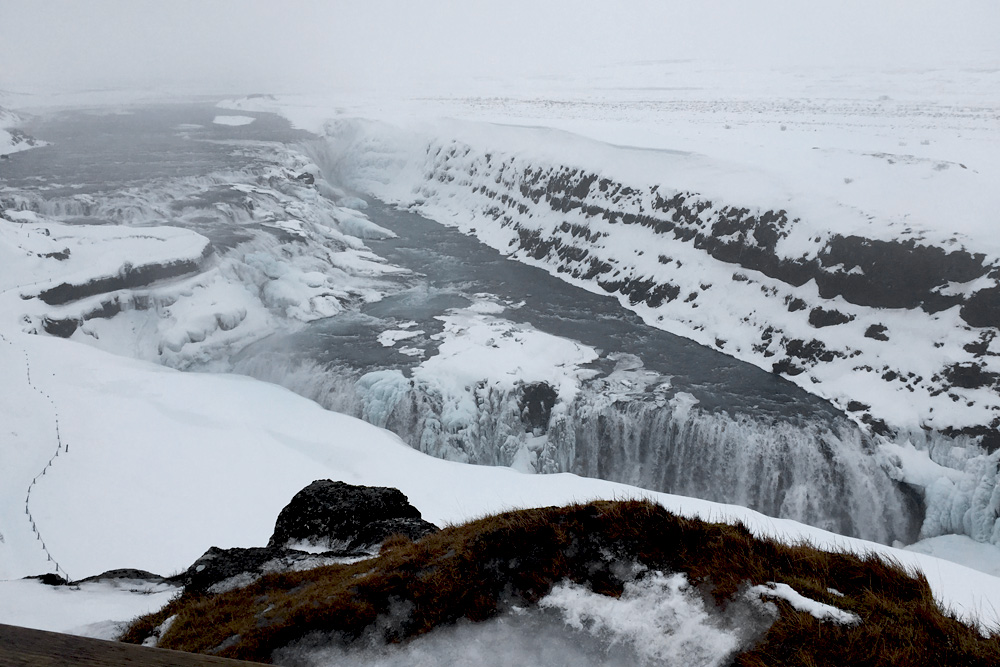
(298, 46)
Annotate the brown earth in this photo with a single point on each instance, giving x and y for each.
(22, 647)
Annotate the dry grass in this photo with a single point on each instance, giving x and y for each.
(478, 569)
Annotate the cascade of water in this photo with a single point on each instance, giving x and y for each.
(817, 473)
(820, 474)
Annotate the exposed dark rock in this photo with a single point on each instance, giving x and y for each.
(970, 376)
(49, 579)
(124, 574)
(306, 178)
(877, 331)
(812, 351)
(857, 406)
(537, 401)
(988, 434)
(106, 310)
(335, 519)
(983, 308)
(878, 426)
(796, 304)
(821, 317)
(128, 277)
(61, 328)
(344, 517)
(59, 255)
(787, 367)
(893, 274)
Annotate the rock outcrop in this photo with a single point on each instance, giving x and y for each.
(341, 517)
(327, 522)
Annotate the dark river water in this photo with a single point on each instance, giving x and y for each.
(450, 262)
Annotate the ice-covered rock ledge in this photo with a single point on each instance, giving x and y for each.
(62, 273)
(895, 324)
(249, 251)
(13, 140)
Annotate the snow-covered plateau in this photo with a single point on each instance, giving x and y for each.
(845, 244)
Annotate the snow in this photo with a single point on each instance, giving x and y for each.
(820, 610)
(659, 616)
(11, 139)
(915, 466)
(961, 549)
(886, 153)
(29, 238)
(233, 120)
(390, 337)
(478, 347)
(93, 609)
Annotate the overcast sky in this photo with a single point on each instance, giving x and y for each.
(289, 46)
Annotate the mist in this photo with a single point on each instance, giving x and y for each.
(230, 46)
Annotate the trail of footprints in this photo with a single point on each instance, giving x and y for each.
(61, 448)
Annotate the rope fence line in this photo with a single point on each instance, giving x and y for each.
(61, 447)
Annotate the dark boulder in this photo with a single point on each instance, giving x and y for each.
(347, 518)
(970, 376)
(325, 523)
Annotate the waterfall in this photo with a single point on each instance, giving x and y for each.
(821, 474)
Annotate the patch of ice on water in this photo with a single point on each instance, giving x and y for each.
(233, 120)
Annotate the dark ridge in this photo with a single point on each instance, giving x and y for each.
(129, 277)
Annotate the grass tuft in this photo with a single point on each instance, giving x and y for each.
(479, 569)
